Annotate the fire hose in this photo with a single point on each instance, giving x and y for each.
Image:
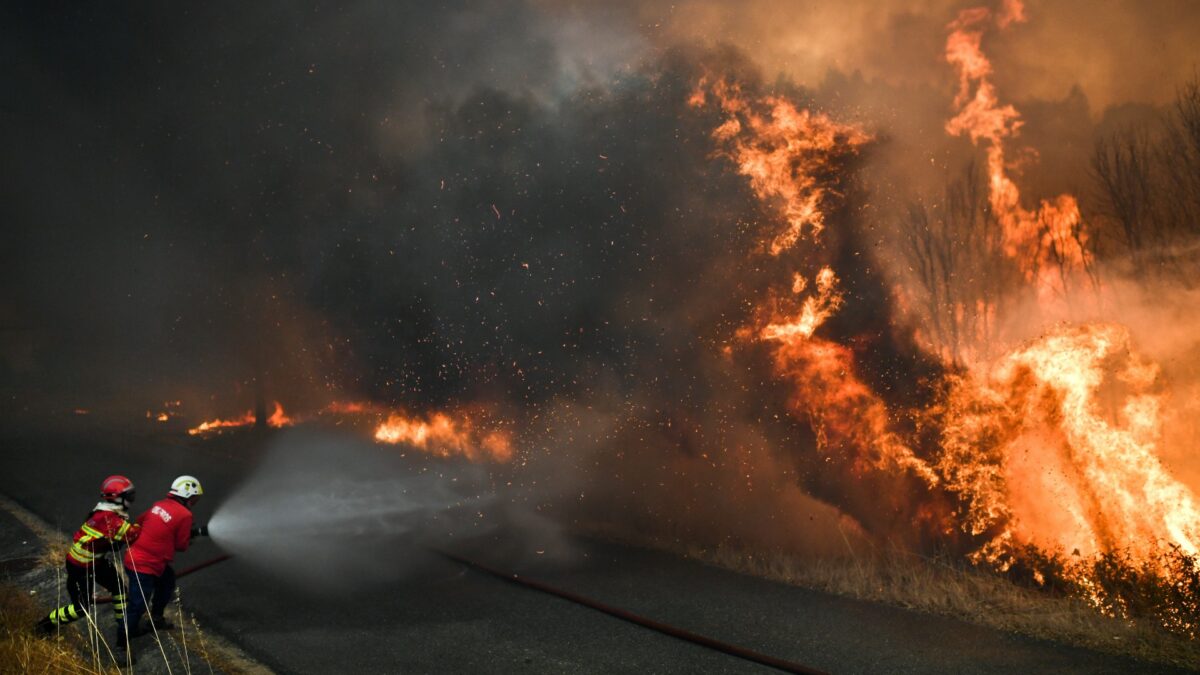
(637, 619)
(616, 612)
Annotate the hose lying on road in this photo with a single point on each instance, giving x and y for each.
(625, 615)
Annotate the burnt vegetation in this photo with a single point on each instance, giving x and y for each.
(953, 247)
(1147, 190)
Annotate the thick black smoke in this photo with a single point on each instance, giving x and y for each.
(398, 202)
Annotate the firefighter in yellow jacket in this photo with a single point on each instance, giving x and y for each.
(107, 527)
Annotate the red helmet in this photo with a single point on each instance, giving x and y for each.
(117, 489)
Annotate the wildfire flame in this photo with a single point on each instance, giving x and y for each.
(1050, 240)
(1057, 446)
(813, 312)
(169, 410)
(1054, 445)
(443, 435)
(790, 156)
(439, 433)
(278, 419)
(348, 407)
(786, 152)
(217, 424)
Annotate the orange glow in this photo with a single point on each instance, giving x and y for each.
(348, 407)
(1051, 242)
(442, 435)
(215, 425)
(1054, 445)
(1057, 446)
(790, 155)
(278, 419)
(783, 151)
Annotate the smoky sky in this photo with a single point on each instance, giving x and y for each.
(413, 204)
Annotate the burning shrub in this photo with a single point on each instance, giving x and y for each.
(1165, 589)
(1161, 590)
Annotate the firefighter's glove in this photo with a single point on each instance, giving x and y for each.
(200, 531)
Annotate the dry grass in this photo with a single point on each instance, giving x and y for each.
(21, 651)
(53, 554)
(945, 588)
(224, 656)
(966, 593)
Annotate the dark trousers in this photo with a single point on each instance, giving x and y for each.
(148, 589)
(81, 588)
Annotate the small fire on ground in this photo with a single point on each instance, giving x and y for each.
(442, 434)
(278, 419)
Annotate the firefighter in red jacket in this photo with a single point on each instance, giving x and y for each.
(166, 529)
(107, 527)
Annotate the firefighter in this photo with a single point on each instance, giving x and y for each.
(107, 527)
(166, 529)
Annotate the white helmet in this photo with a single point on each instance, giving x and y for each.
(186, 487)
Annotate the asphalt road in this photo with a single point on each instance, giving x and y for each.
(446, 618)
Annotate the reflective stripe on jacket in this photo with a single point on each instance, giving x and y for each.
(103, 531)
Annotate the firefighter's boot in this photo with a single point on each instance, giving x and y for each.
(122, 650)
(45, 627)
(161, 622)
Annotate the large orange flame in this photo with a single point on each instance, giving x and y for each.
(1057, 447)
(784, 152)
(791, 157)
(1053, 446)
(1050, 243)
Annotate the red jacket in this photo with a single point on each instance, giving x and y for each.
(101, 533)
(166, 528)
